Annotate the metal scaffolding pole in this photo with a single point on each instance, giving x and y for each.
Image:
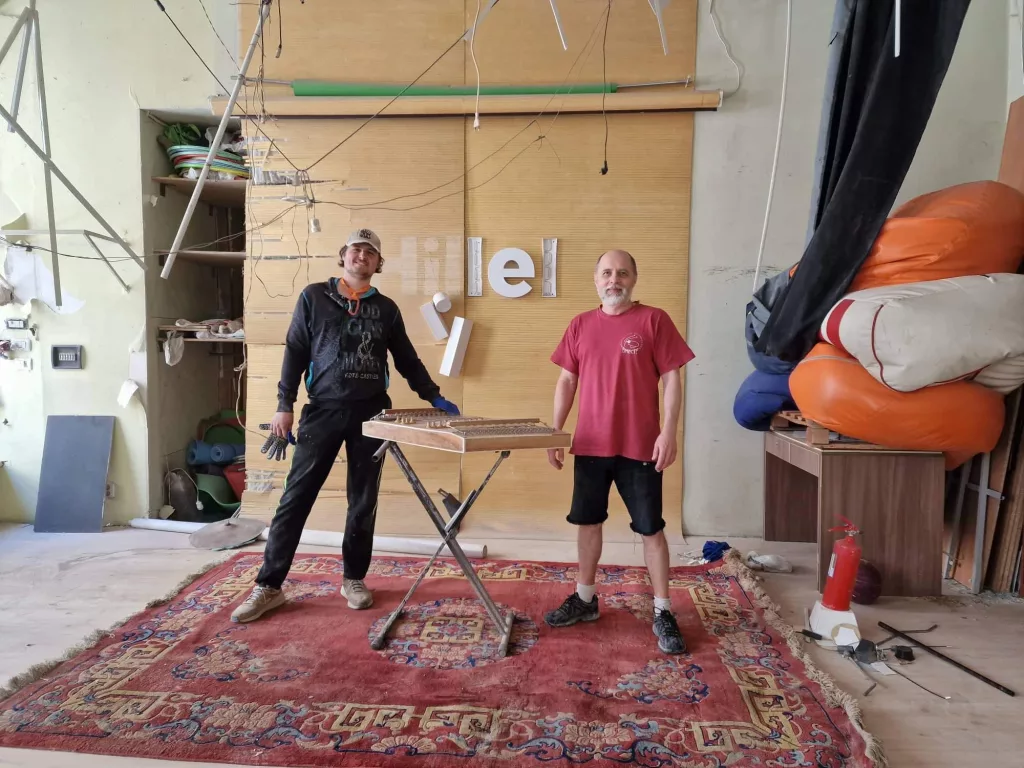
(28, 25)
(215, 144)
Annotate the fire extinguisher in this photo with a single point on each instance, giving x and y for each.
(842, 570)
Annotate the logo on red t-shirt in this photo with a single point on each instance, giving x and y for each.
(632, 344)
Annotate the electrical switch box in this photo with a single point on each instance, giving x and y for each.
(66, 357)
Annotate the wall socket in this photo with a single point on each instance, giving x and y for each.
(17, 323)
(21, 345)
(111, 490)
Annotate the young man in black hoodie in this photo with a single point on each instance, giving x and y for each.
(338, 343)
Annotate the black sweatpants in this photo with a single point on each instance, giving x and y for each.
(321, 433)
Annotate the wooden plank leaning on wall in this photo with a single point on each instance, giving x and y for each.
(531, 189)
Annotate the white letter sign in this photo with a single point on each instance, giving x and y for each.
(498, 273)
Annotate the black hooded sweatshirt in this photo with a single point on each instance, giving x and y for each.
(340, 348)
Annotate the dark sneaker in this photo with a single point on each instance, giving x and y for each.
(571, 611)
(670, 639)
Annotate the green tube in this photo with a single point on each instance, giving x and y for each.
(322, 88)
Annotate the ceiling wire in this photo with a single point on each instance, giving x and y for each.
(728, 50)
(778, 143)
(472, 55)
(604, 81)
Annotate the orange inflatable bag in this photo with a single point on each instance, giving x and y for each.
(968, 229)
(960, 419)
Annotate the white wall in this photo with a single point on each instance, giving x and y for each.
(104, 60)
(732, 163)
(1014, 66)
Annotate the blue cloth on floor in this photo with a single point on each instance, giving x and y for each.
(761, 396)
(714, 550)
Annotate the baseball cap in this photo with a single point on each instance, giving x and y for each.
(367, 236)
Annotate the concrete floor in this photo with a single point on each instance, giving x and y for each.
(55, 589)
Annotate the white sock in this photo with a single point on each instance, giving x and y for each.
(662, 604)
(586, 591)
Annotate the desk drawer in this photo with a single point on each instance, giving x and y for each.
(776, 446)
(799, 455)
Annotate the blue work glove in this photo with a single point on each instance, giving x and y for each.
(445, 405)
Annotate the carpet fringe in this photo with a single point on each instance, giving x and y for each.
(834, 695)
(43, 668)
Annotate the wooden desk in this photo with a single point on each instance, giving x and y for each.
(894, 497)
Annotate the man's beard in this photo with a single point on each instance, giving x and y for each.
(362, 271)
(610, 299)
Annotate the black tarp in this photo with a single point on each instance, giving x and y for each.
(877, 107)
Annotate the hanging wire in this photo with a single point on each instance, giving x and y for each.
(728, 50)
(778, 143)
(604, 81)
(472, 55)
(112, 260)
(224, 45)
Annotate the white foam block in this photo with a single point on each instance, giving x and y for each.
(455, 352)
(433, 321)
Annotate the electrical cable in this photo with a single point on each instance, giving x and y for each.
(224, 45)
(472, 55)
(113, 260)
(778, 143)
(280, 31)
(728, 50)
(587, 49)
(395, 98)
(604, 79)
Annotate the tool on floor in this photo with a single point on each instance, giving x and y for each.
(928, 690)
(858, 655)
(946, 658)
(903, 653)
(893, 636)
(227, 534)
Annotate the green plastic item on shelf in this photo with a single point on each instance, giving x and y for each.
(216, 494)
(218, 431)
(326, 88)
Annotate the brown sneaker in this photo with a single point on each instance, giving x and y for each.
(358, 596)
(260, 600)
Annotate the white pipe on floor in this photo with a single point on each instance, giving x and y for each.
(408, 546)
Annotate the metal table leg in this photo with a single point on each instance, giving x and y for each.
(449, 531)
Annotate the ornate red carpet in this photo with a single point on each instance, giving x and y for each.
(302, 687)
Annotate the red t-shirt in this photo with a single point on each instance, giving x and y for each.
(620, 360)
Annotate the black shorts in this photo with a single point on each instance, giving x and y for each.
(638, 483)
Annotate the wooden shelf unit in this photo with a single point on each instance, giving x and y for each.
(229, 194)
(208, 258)
(165, 329)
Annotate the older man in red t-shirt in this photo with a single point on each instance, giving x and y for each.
(616, 355)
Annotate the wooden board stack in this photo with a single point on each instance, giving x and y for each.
(433, 428)
(1004, 511)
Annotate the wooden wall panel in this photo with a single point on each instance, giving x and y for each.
(554, 189)
(518, 42)
(422, 240)
(642, 205)
(510, 195)
(356, 40)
